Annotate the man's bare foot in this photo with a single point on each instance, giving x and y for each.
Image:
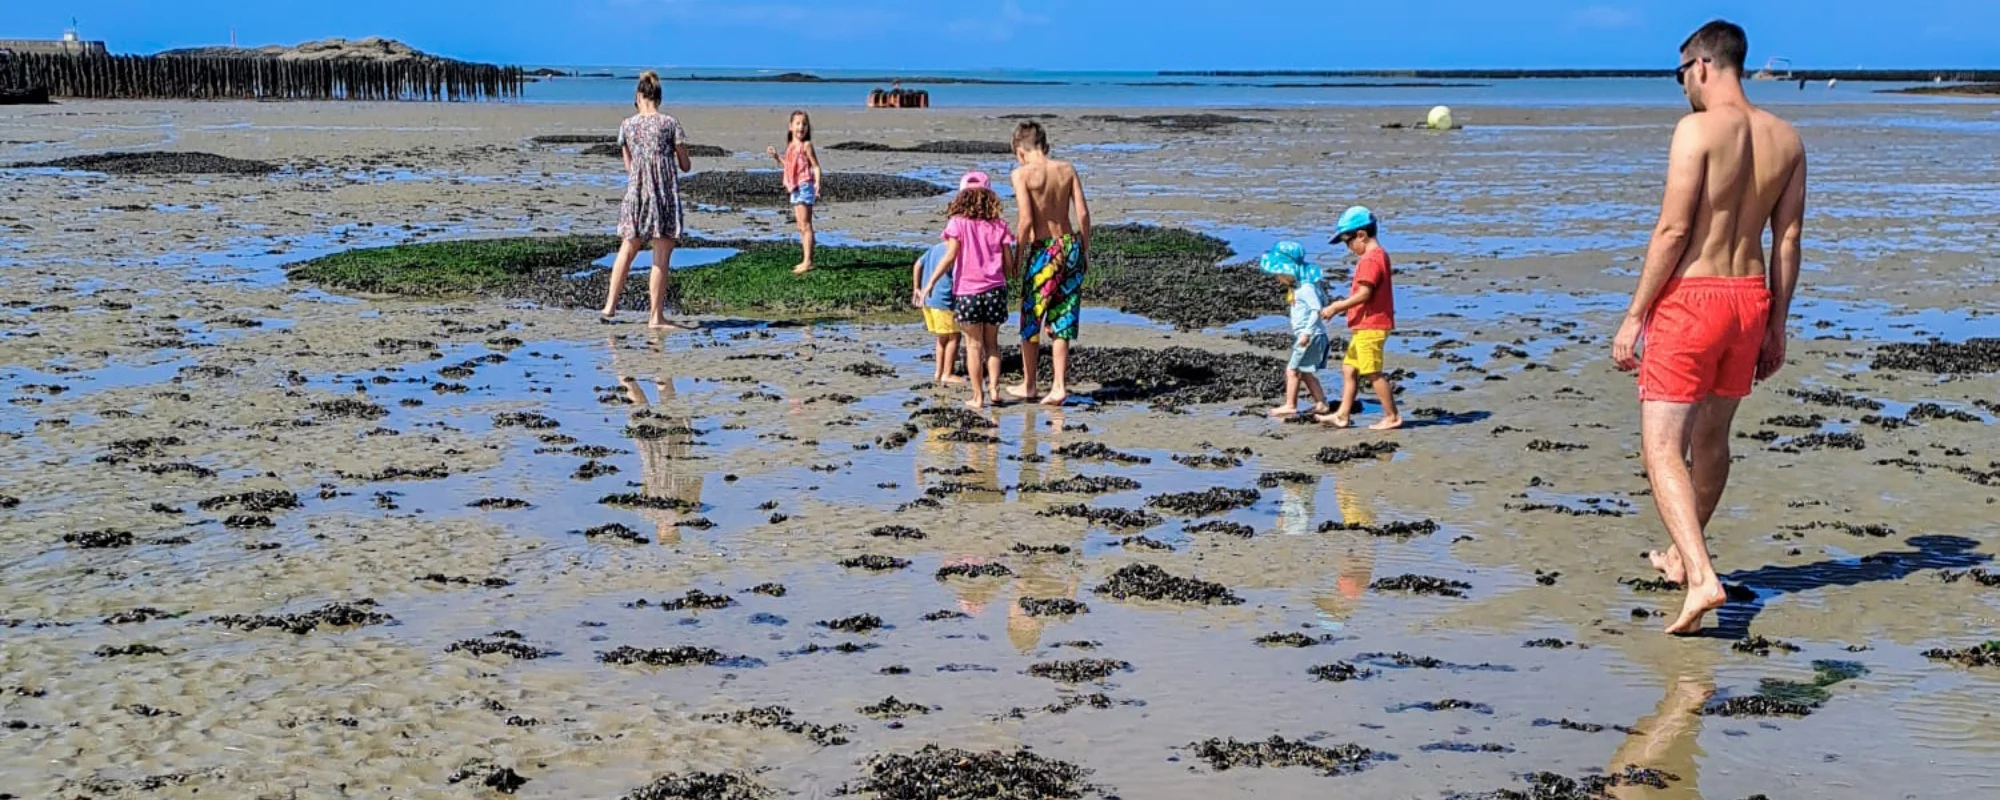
(1285, 411)
(976, 404)
(1055, 398)
(1336, 420)
(1668, 562)
(952, 380)
(1387, 424)
(802, 268)
(1322, 408)
(1022, 393)
(1700, 601)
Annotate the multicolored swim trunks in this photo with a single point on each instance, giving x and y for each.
(1052, 288)
(1703, 339)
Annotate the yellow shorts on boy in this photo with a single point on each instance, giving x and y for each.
(1364, 351)
(939, 322)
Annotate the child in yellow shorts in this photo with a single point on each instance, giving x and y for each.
(938, 316)
(1370, 307)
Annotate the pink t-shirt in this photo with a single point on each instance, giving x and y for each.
(982, 254)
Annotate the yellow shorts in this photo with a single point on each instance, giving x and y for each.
(1364, 351)
(939, 322)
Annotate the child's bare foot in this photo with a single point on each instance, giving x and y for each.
(1322, 409)
(1285, 411)
(1336, 420)
(664, 325)
(1387, 424)
(802, 268)
(1055, 398)
(1700, 601)
(1022, 393)
(953, 380)
(976, 404)
(1668, 562)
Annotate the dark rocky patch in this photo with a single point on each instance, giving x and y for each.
(859, 623)
(952, 147)
(1294, 639)
(349, 408)
(701, 786)
(1421, 584)
(615, 531)
(99, 540)
(936, 773)
(696, 599)
(1149, 582)
(1191, 123)
(177, 468)
(1052, 607)
(1550, 786)
(1549, 446)
(1083, 670)
(1980, 655)
(769, 589)
(137, 649)
(1215, 500)
(1359, 452)
(782, 718)
(1402, 660)
(499, 504)
(1758, 645)
(139, 615)
(1973, 356)
(898, 532)
(1796, 421)
(505, 647)
(1933, 411)
(248, 522)
(1081, 484)
(682, 656)
(1144, 543)
(1276, 752)
(1650, 584)
(1977, 575)
(874, 563)
(940, 616)
(987, 570)
(1552, 644)
(1022, 548)
(1463, 747)
(1833, 398)
(1097, 451)
(158, 163)
(1207, 461)
(969, 437)
(1171, 377)
(1823, 441)
(892, 708)
(593, 469)
(1224, 527)
(1273, 480)
(1110, 517)
(524, 419)
(333, 615)
(767, 189)
(1594, 507)
(645, 501)
(953, 418)
(1395, 530)
(1755, 706)
(1581, 727)
(262, 501)
(1443, 705)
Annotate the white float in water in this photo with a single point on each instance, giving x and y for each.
(1832, 82)
(1440, 118)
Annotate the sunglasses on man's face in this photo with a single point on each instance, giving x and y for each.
(1681, 72)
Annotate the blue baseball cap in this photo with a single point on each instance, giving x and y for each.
(1351, 220)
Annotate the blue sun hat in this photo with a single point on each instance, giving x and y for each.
(1289, 258)
(1351, 220)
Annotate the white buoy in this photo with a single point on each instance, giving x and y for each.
(1832, 82)
(1440, 118)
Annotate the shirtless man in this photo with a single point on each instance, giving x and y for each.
(1053, 254)
(1711, 316)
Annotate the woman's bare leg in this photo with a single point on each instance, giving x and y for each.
(620, 267)
(656, 287)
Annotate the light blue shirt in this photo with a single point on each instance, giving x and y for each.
(1306, 305)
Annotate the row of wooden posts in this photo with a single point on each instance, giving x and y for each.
(259, 78)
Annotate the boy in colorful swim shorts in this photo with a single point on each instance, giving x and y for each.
(1048, 194)
(1370, 307)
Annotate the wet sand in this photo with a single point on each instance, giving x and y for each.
(146, 323)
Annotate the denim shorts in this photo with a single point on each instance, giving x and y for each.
(805, 195)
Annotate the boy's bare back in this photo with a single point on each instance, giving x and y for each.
(1043, 186)
(1750, 166)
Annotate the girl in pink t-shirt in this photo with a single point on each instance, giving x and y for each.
(976, 254)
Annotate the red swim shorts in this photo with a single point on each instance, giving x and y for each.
(1703, 339)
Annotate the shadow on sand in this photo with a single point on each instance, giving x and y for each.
(1750, 590)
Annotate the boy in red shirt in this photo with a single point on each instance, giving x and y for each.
(1371, 314)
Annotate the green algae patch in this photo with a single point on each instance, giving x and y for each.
(436, 269)
(759, 281)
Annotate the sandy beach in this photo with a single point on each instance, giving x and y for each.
(425, 455)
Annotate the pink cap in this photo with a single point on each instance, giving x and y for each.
(973, 180)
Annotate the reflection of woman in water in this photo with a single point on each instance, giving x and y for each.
(660, 458)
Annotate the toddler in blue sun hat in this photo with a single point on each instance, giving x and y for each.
(1300, 277)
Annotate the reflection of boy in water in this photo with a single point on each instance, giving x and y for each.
(1044, 577)
(1355, 567)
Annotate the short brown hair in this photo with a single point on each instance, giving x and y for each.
(1722, 42)
(978, 203)
(1029, 134)
(649, 86)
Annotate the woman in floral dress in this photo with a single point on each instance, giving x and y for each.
(655, 155)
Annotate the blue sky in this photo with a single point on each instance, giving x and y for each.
(1058, 34)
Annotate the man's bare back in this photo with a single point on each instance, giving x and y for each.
(1751, 164)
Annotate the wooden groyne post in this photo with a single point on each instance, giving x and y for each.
(259, 78)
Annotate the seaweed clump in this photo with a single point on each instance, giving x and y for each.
(937, 773)
(1226, 754)
(701, 786)
(1150, 582)
(337, 615)
(1214, 500)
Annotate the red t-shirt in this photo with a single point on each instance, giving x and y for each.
(1379, 313)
